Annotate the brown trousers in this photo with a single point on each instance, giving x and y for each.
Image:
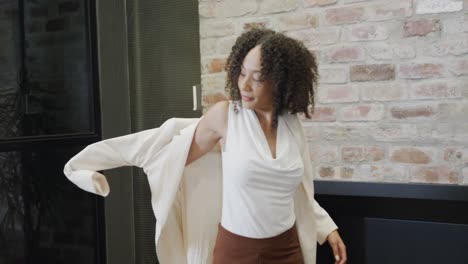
(281, 249)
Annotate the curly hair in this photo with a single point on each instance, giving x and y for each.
(286, 62)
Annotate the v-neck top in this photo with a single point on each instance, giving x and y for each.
(257, 188)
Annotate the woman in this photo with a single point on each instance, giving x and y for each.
(269, 75)
(258, 207)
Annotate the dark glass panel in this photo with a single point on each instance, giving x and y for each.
(44, 218)
(45, 70)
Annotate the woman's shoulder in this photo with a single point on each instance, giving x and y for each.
(220, 108)
(224, 107)
(216, 116)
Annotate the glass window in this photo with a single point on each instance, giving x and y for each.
(45, 68)
(43, 217)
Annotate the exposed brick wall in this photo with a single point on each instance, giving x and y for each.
(392, 102)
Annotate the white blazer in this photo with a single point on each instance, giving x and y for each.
(186, 200)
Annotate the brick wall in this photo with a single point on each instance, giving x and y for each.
(392, 102)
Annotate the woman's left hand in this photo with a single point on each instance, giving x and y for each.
(338, 247)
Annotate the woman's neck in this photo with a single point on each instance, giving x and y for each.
(264, 116)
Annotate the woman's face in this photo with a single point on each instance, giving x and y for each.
(256, 93)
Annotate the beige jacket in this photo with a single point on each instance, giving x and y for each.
(186, 200)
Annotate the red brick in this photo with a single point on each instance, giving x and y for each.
(225, 45)
(439, 174)
(215, 65)
(364, 174)
(453, 45)
(316, 37)
(404, 51)
(345, 54)
(421, 27)
(274, 6)
(453, 155)
(293, 21)
(323, 114)
(383, 92)
(213, 82)
(421, 70)
(327, 172)
(206, 9)
(460, 67)
(344, 15)
(365, 32)
(435, 132)
(225, 9)
(453, 25)
(385, 173)
(210, 28)
(409, 112)
(256, 22)
(363, 112)
(346, 132)
(213, 98)
(435, 90)
(390, 10)
(347, 172)
(453, 111)
(362, 154)
(254, 25)
(380, 52)
(330, 172)
(333, 75)
(372, 72)
(411, 155)
(438, 6)
(208, 46)
(393, 132)
(323, 153)
(337, 93)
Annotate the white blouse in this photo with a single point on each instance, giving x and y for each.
(258, 190)
(187, 200)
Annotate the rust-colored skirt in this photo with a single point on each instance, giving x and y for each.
(281, 249)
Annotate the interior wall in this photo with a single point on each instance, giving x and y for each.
(392, 99)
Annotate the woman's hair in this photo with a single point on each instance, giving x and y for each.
(286, 62)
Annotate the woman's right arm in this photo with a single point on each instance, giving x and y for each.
(210, 129)
(135, 149)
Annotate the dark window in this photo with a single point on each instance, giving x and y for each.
(48, 112)
(44, 71)
(43, 217)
